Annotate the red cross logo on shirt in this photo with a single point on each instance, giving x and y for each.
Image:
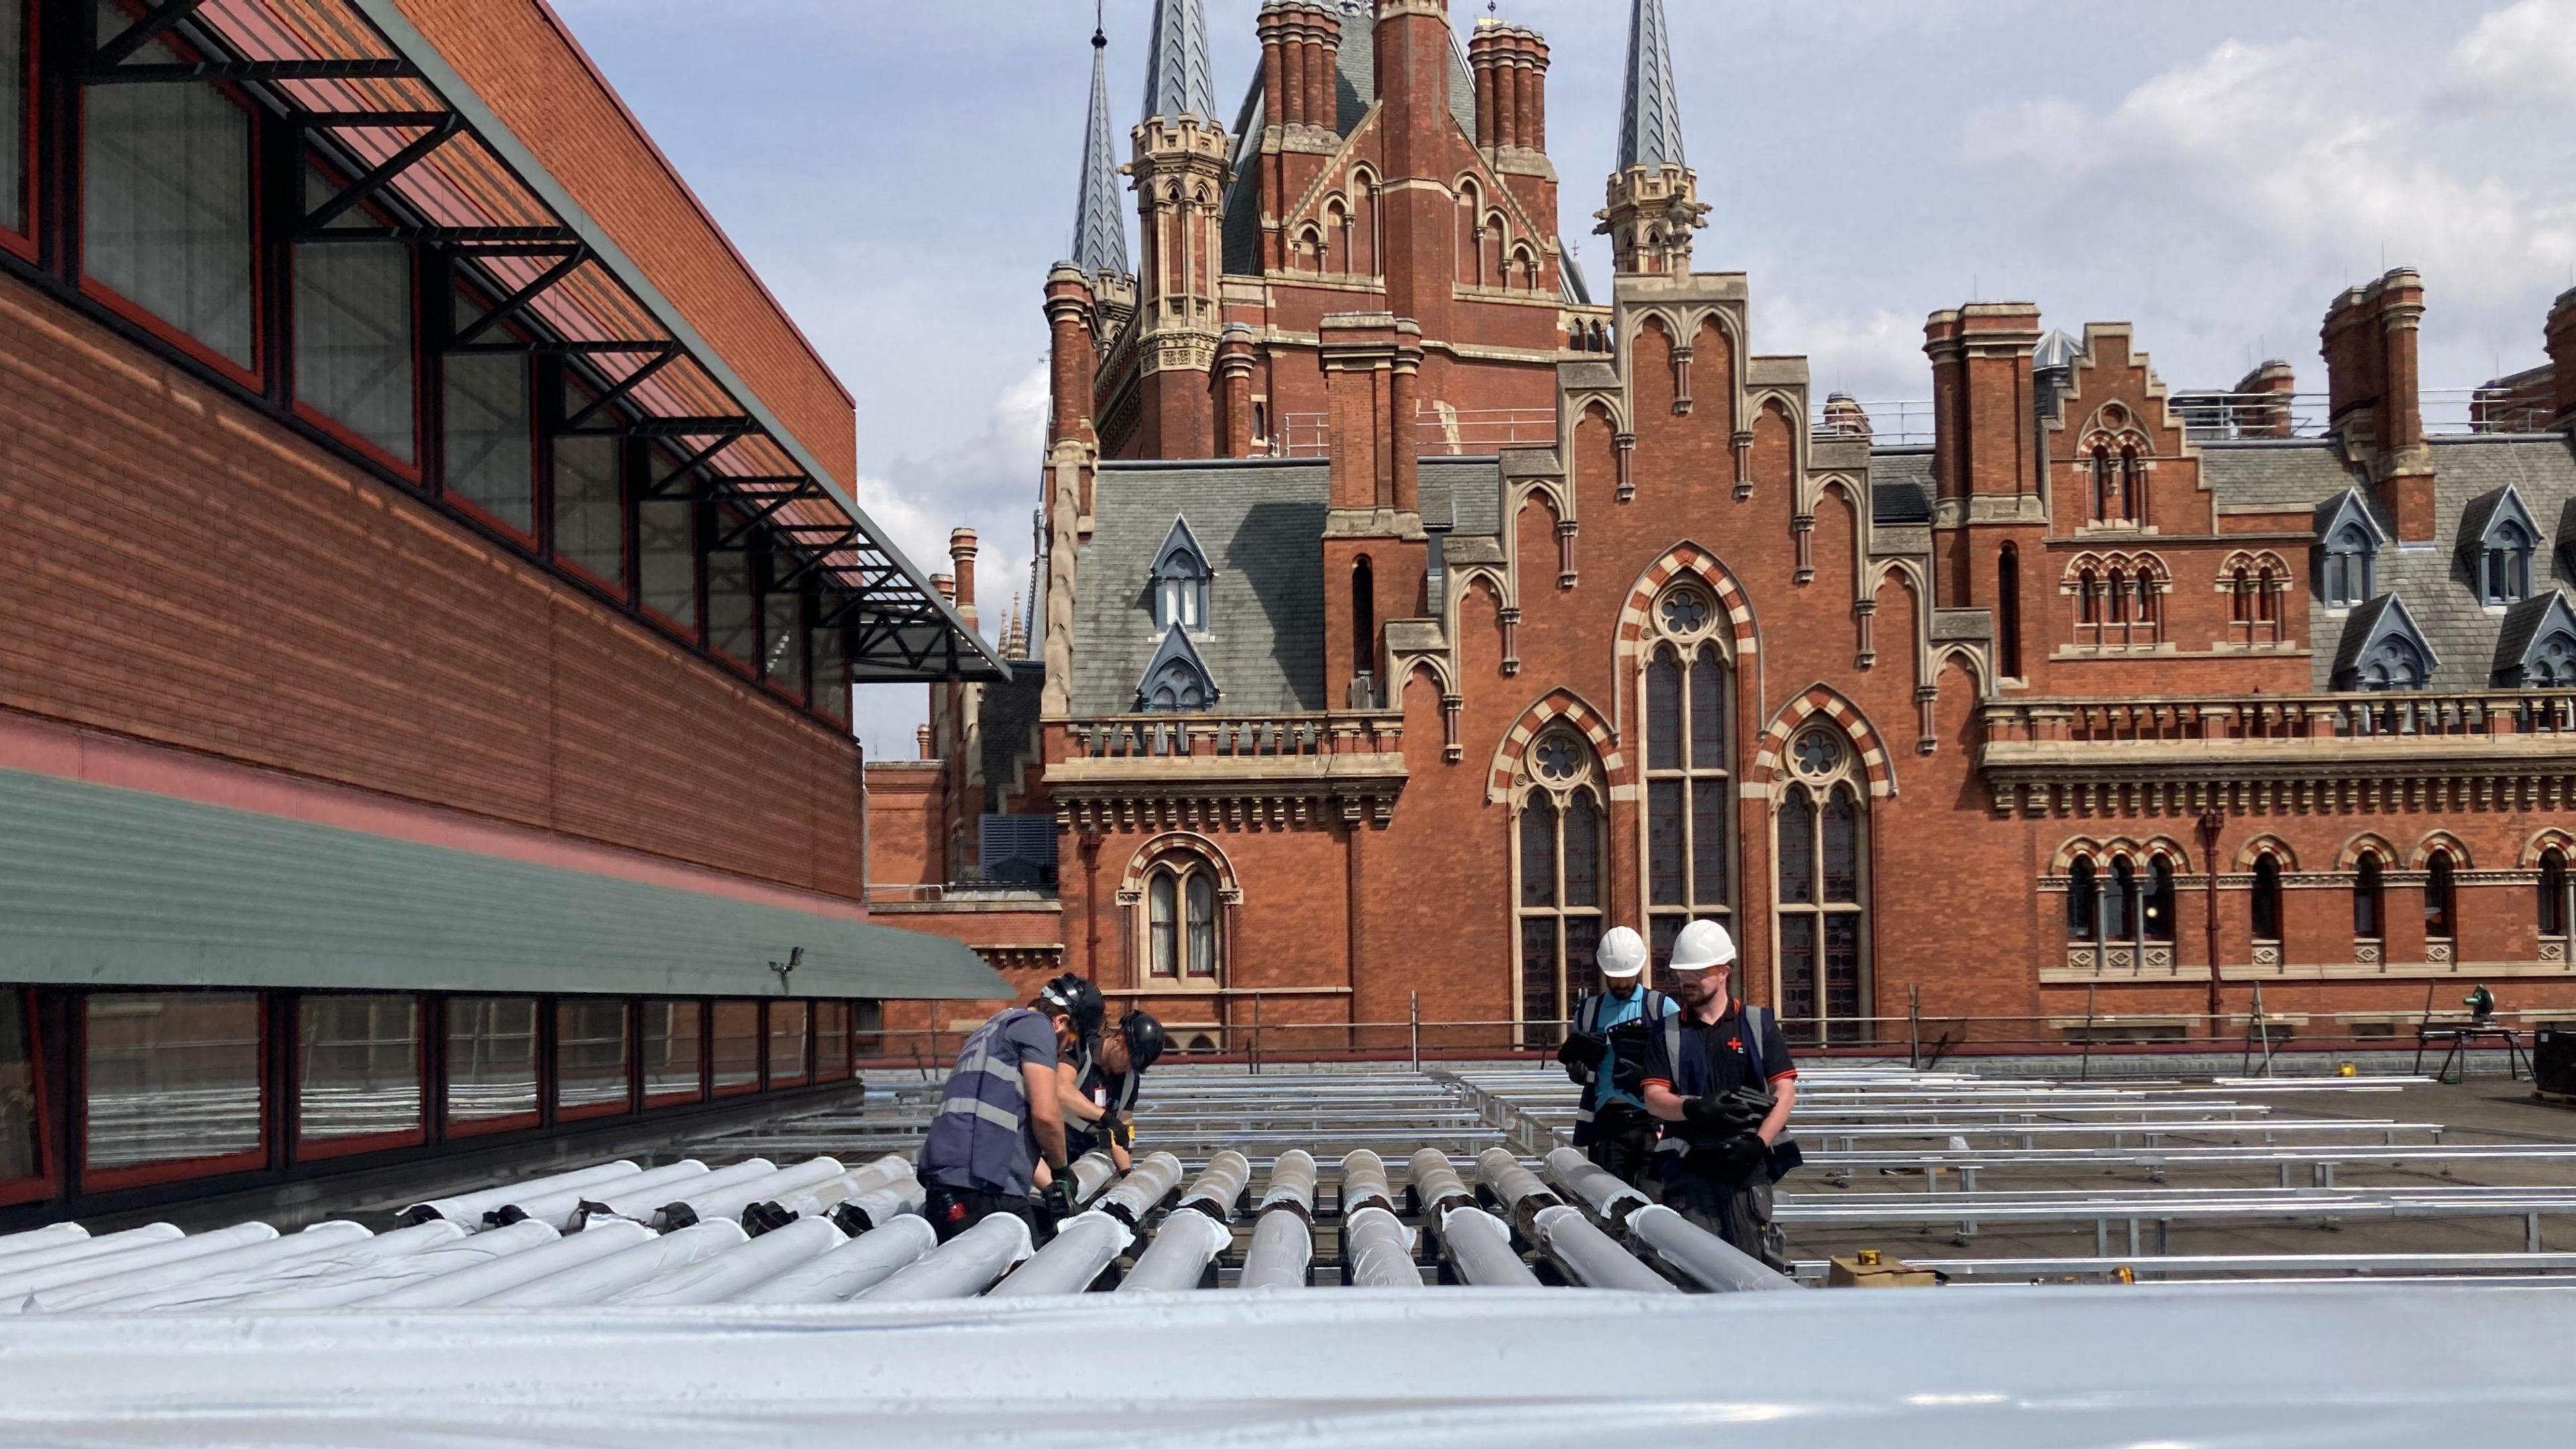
(1735, 1043)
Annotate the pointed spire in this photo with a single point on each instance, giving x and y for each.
(1178, 78)
(1650, 123)
(1099, 221)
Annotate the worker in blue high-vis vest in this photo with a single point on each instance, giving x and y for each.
(1612, 1125)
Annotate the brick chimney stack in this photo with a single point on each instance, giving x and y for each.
(2562, 359)
(2376, 398)
(962, 548)
(1073, 359)
(2262, 400)
(1234, 367)
(1376, 556)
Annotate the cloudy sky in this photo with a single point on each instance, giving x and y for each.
(901, 173)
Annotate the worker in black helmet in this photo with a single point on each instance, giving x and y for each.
(1100, 1099)
(997, 1142)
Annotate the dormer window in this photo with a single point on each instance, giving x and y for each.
(1176, 680)
(1180, 582)
(2347, 571)
(2347, 552)
(2382, 649)
(2537, 647)
(2497, 539)
(2504, 566)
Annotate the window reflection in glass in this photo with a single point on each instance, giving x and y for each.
(673, 1033)
(172, 1077)
(491, 1058)
(590, 1055)
(786, 1043)
(18, 1123)
(736, 1045)
(357, 1066)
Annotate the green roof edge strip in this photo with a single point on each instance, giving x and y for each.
(415, 47)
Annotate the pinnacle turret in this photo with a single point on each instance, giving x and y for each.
(1654, 203)
(1178, 78)
(1099, 218)
(1650, 119)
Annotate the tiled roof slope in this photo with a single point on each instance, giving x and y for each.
(1900, 485)
(2436, 579)
(1261, 523)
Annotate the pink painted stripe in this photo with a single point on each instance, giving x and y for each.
(69, 752)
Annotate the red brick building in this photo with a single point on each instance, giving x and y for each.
(429, 614)
(1409, 615)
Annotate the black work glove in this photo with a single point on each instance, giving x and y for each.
(1582, 1049)
(1720, 1116)
(1731, 1161)
(1057, 1200)
(1628, 1075)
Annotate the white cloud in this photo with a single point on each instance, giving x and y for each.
(2525, 51)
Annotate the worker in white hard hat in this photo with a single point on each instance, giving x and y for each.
(1718, 1075)
(1612, 1126)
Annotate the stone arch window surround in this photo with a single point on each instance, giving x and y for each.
(2117, 461)
(1181, 900)
(2121, 904)
(1685, 693)
(1821, 884)
(1560, 887)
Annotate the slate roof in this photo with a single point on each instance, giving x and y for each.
(2437, 581)
(1178, 81)
(1650, 120)
(1260, 523)
(1900, 485)
(1099, 220)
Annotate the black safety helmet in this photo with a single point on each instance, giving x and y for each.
(1145, 1040)
(1080, 1001)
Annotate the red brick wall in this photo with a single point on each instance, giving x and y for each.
(179, 570)
(526, 66)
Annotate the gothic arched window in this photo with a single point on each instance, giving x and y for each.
(2504, 567)
(1184, 921)
(1689, 814)
(1180, 582)
(2083, 901)
(2551, 664)
(1823, 887)
(2368, 920)
(2267, 897)
(2553, 892)
(1560, 895)
(2392, 663)
(2440, 898)
(1178, 685)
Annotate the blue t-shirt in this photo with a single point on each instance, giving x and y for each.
(1612, 1012)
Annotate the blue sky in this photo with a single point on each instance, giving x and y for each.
(901, 174)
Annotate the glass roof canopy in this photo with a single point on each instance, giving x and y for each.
(366, 86)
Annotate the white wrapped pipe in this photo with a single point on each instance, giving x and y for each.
(1154, 1177)
(343, 1259)
(1092, 1171)
(1517, 1188)
(605, 1238)
(1220, 1186)
(962, 1267)
(1700, 1255)
(150, 1252)
(823, 1197)
(1364, 1182)
(1377, 1250)
(1281, 1253)
(1589, 1256)
(852, 1268)
(1178, 1257)
(879, 1206)
(1291, 1184)
(1609, 1200)
(602, 1278)
(468, 1208)
(1479, 1247)
(1436, 1186)
(44, 1239)
(718, 1279)
(641, 1203)
(1083, 1248)
(710, 1200)
(112, 1291)
(564, 1209)
(73, 1250)
(370, 1280)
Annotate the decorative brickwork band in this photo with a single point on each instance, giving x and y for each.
(1555, 705)
(1769, 755)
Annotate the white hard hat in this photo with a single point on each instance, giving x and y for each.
(1622, 954)
(1702, 944)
